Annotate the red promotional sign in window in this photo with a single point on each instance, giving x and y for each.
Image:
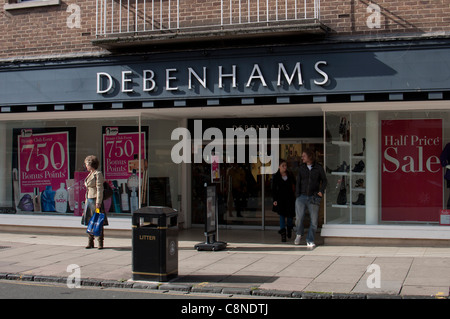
(43, 161)
(411, 172)
(120, 154)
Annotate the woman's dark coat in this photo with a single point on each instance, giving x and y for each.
(283, 192)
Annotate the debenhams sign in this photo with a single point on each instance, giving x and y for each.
(220, 79)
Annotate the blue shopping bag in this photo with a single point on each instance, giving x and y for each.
(96, 224)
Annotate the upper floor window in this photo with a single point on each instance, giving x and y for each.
(23, 4)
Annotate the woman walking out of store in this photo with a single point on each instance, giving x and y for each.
(94, 197)
(283, 192)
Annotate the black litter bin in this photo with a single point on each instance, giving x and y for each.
(155, 243)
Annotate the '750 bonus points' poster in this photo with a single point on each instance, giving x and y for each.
(43, 161)
(120, 153)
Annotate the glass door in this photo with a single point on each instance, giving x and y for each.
(244, 194)
(238, 186)
(291, 151)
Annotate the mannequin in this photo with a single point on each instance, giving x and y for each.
(445, 162)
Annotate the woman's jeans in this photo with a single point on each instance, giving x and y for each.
(283, 222)
(313, 204)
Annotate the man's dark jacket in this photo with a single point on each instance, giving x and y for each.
(310, 182)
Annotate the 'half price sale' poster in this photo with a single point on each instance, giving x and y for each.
(411, 170)
(43, 161)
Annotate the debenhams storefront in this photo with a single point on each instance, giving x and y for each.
(375, 113)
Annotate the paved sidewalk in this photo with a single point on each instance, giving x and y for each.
(254, 263)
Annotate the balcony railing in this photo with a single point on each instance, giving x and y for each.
(116, 17)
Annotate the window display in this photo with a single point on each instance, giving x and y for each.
(121, 149)
(345, 166)
(406, 169)
(41, 168)
(44, 171)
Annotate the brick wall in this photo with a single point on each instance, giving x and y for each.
(362, 17)
(45, 30)
(53, 30)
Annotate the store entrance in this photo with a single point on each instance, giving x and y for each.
(244, 195)
(239, 189)
(291, 151)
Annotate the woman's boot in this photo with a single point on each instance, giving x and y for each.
(90, 242)
(100, 241)
(289, 232)
(282, 232)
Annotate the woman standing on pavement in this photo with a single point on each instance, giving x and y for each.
(283, 192)
(94, 197)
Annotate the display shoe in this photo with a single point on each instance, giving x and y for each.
(359, 167)
(343, 129)
(361, 200)
(343, 168)
(359, 183)
(364, 148)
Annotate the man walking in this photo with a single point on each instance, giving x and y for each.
(310, 187)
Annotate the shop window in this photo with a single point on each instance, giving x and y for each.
(387, 167)
(24, 4)
(345, 167)
(42, 164)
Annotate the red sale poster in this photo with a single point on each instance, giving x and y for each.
(43, 161)
(120, 154)
(411, 172)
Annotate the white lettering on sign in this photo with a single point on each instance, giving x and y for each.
(289, 80)
(171, 80)
(202, 80)
(222, 75)
(147, 80)
(257, 76)
(104, 82)
(127, 81)
(321, 72)
(414, 163)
